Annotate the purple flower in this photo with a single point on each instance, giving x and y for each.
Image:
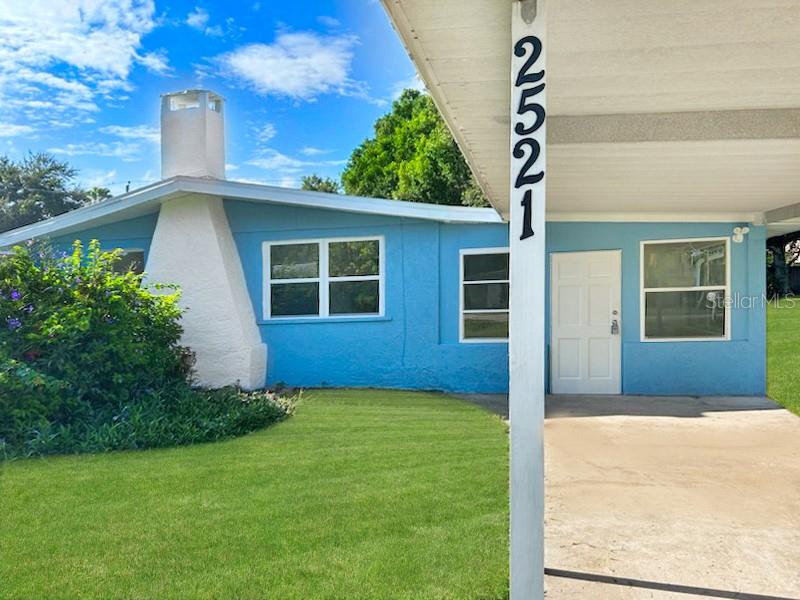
(15, 295)
(13, 323)
(28, 309)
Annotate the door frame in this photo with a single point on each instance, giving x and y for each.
(552, 298)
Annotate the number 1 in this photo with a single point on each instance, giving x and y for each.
(527, 217)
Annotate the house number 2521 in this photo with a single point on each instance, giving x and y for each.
(530, 46)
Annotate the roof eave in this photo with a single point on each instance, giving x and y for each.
(153, 195)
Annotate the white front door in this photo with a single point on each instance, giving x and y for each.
(586, 323)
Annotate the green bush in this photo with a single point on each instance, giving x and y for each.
(101, 332)
(90, 360)
(172, 417)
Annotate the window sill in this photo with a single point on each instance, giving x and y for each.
(674, 340)
(309, 320)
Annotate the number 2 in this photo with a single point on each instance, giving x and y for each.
(536, 51)
(523, 178)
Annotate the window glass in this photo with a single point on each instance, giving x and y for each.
(348, 282)
(486, 267)
(131, 260)
(685, 264)
(483, 296)
(354, 297)
(685, 314)
(486, 325)
(293, 299)
(294, 261)
(348, 259)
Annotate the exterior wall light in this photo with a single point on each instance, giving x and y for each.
(739, 233)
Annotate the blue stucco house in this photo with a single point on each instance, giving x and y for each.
(312, 289)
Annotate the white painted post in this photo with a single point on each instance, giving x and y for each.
(526, 326)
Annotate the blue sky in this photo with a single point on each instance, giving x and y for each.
(303, 81)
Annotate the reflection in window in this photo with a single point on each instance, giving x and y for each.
(684, 289)
(484, 295)
(325, 278)
(131, 260)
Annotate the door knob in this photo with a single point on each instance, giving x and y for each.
(614, 327)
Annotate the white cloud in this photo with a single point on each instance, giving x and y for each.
(266, 133)
(74, 51)
(134, 132)
(12, 130)
(285, 169)
(231, 167)
(198, 18)
(121, 150)
(296, 65)
(157, 61)
(98, 178)
(414, 83)
(330, 22)
(272, 160)
(311, 151)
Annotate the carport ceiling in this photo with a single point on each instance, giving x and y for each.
(686, 105)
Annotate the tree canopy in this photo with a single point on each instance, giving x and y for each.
(315, 183)
(38, 187)
(412, 157)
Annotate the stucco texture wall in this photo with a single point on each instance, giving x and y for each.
(414, 344)
(128, 234)
(737, 366)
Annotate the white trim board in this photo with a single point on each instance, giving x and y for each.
(727, 287)
(147, 200)
(461, 254)
(323, 279)
(660, 217)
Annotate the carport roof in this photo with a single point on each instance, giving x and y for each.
(656, 108)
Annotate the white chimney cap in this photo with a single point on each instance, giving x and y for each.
(192, 134)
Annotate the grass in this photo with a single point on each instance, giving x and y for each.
(361, 495)
(783, 355)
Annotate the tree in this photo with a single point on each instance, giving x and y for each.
(412, 157)
(36, 188)
(783, 253)
(315, 183)
(97, 194)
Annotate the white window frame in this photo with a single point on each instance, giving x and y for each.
(727, 287)
(461, 283)
(324, 279)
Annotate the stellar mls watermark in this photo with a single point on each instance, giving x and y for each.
(739, 301)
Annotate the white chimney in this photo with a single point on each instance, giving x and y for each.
(192, 134)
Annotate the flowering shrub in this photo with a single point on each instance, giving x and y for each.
(91, 360)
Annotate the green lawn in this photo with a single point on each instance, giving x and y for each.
(361, 495)
(783, 353)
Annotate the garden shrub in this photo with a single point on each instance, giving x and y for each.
(91, 360)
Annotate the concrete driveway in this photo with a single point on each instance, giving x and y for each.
(671, 498)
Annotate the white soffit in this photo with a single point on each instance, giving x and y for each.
(627, 58)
